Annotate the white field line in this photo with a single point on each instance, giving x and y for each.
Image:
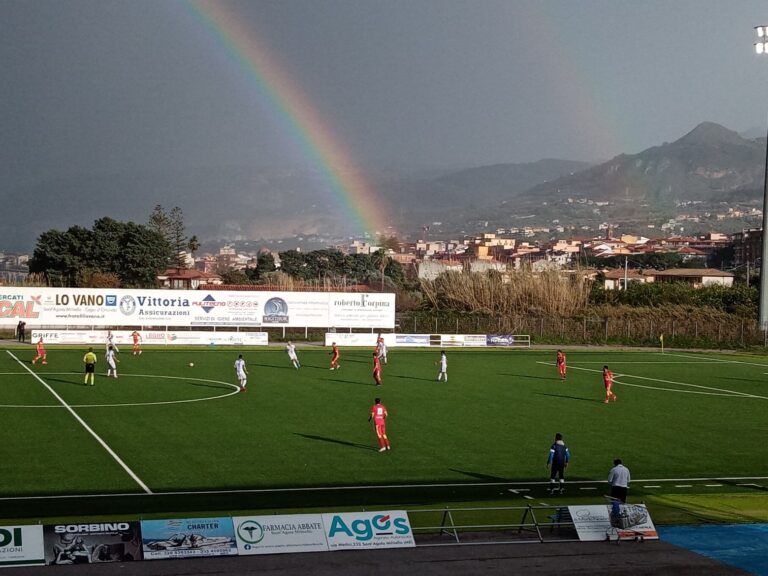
(236, 390)
(376, 487)
(721, 360)
(104, 445)
(645, 362)
(732, 393)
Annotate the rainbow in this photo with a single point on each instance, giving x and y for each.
(300, 118)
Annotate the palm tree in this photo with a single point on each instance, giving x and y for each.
(193, 246)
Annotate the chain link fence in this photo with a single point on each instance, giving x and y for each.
(731, 333)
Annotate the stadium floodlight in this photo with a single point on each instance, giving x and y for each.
(760, 48)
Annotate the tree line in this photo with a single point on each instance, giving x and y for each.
(126, 254)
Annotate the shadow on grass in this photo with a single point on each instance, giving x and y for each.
(70, 382)
(282, 366)
(412, 377)
(335, 441)
(480, 476)
(550, 378)
(216, 386)
(742, 379)
(592, 400)
(350, 382)
(749, 486)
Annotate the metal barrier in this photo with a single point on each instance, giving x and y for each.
(531, 527)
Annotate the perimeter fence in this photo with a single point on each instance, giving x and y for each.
(728, 332)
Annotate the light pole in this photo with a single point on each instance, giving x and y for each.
(761, 47)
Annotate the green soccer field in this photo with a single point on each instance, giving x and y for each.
(301, 438)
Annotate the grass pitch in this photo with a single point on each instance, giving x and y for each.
(681, 420)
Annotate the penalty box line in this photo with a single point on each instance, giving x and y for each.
(520, 487)
(732, 393)
(98, 438)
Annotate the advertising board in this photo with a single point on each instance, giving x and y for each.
(367, 339)
(366, 530)
(21, 546)
(280, 534)
(500, 340)
(187, 538)
(411, 340)
(594, 522)
(451, 340)
(165, 338)
(90, 543)
(475, 340)
(122, 307)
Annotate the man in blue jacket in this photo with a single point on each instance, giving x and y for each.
(557, 462)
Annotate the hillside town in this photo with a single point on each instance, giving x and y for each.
(614, 255)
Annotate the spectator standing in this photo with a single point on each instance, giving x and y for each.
(558, 459)
(619, 479)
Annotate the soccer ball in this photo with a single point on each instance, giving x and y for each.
(191, 364)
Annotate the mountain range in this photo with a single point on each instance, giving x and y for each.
(709, 165)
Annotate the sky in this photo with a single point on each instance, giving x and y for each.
(116, 86)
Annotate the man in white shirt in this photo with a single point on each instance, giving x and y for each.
(111, 342)
(618, 478)
(242, 373)
(111, 361)
(291, 349)
(382, 350)
(443, 367)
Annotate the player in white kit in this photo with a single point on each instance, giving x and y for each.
(443, 367)
(291, 349)
(111, 361)
(382, 350)
(242, 373)
(110, 342)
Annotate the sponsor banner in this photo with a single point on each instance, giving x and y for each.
(217, 338)
(21, 546)
(124, 337)
(366, 339)
(594, 522)
(92, 543)
(362, 310)
(187, 538)
(411, 340)
(280, 534)
(475, 340)
(500, 340)
(347, 339)
(365, 530)
(120, 307)
(451, 340)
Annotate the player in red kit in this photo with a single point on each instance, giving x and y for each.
(377, 369)
(136, 343)
(608, 381)
(335, 355)
(561, 367)
(379, 416)
(40, 352)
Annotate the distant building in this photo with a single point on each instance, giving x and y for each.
(615, 279)
(696, 276)
(431, 269)
(186, 279)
